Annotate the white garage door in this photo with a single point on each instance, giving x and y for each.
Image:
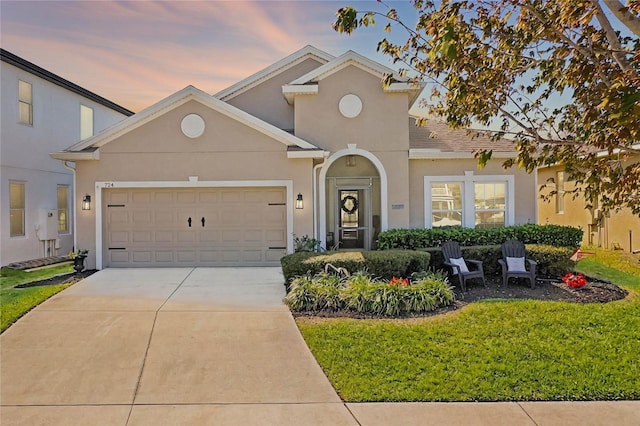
(195, 227)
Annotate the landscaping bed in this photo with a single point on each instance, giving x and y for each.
(70, 278)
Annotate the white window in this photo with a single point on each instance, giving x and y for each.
(446, 204)
(560, 192)
(25, 102)
(470, 201)
(16, 209)
(63, 209)
(86, 122)
(489, 203)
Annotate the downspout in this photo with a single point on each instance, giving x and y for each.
(73, 171)
(314, 191)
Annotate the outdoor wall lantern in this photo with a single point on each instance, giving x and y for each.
(86, 202)
(299, 202)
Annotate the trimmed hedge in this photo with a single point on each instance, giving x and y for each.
(382, 264)
(551, 260)
(415, 239)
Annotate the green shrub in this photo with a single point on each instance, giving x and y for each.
(384, 264)
(362, 294)
(414, 239)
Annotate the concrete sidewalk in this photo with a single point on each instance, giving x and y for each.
(197, 346)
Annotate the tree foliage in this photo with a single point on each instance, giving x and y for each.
(552, 75)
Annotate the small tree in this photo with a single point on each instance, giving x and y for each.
(552, 75)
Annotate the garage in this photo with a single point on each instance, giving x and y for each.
(194, 227)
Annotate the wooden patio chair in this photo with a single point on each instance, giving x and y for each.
(514, 263)
(459, 266)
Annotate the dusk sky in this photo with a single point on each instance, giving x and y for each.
(136, 53)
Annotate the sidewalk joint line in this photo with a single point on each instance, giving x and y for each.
(146, 352)
(351, 412)
(527, 413)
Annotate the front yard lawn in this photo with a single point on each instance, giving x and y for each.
(488, 351)
(15, 302)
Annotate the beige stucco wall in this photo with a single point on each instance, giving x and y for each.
(610, 232)
(158, 151)
(524, 183)
(381, 129)
(266, 100)
(381, 126)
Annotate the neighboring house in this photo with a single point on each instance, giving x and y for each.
(40, 113)
(613, 230)
(312, 145)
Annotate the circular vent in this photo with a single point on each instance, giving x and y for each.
(350, 106)
(192, 126)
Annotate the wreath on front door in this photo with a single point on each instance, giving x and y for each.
(354, 204)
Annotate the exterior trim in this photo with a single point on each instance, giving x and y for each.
(32, 68)
(322, 193)
(76, 156)
(307, 154)
(192, 183)
(436, 154)
(467, 196)
(277, 68)
(344, 60)
(185, 95)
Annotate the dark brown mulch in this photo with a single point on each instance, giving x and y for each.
(595, 291)
(60, 279)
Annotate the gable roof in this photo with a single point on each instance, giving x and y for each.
(437, 140)
(307, 84)
(282, 65)
(88, 149)
(42, 73)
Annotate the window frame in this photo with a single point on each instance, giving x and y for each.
(468, 181)
(66, 209)
(490, 210)
(27, 102)
(13, 209)
(462, 202)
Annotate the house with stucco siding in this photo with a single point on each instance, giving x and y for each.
(41, 113)
(312, 145)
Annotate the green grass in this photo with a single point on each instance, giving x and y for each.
(500, 351)
(15, 302)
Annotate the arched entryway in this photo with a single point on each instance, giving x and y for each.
(352, 196)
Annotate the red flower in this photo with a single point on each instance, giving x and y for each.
(574, 280)
(400, 282)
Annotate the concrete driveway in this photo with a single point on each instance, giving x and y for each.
(165, 346)
(207, 346)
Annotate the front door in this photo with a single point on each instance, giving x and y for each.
(353, 218)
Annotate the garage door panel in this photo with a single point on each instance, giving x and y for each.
(186, 237)
(186, 197)
(209, 236)
(119, 257)
(186, 256)
(143, 197)
(163, 236)
(142, 256)
(142, 217)
(153, 229)
(163, 197)
(119, 237)
(164, 257)
(142, 237)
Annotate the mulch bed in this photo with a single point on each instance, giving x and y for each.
(546, 288)
(60, 279)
